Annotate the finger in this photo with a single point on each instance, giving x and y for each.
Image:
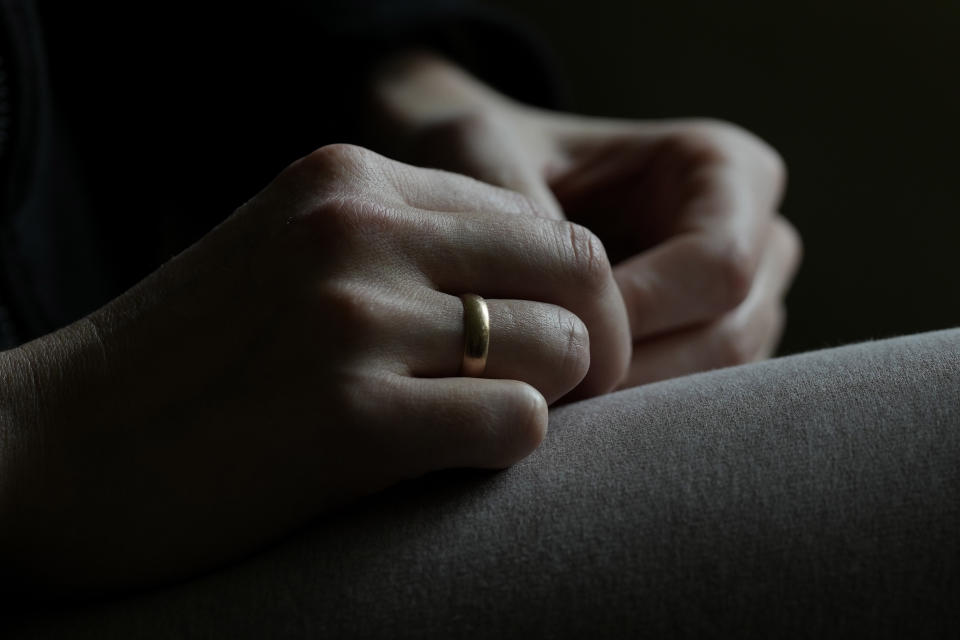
(748, 333)
(735, 339)
(723, 170)
(734, 182)
(601, 164)
(733, 189)
(721, 187)
(692, 279)
(686, 280)
(466, 422)
(541, 344)
(532, 259)
(487, 253)
(782, 258)
(488, 148)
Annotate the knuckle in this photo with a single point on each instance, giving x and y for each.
(790, 237)
(722, 140)
(336, 158)
(719, 133)
(576, 349)
(335, 168)
(345, 219)
(768, 162)
(327, 178)
(772, 163)
(706, 139)
(587, 258)
(322, 180)
(731, 267)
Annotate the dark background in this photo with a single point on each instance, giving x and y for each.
(861, 98)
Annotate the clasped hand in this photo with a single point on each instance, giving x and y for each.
(686, 209)
(307, 351)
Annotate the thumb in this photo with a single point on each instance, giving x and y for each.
(489, 147)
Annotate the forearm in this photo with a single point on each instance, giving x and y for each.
(412, 89)
(45, 385)
(47, 410)
(102, 437)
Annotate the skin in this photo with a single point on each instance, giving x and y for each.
(687, 209)
(302, 354)
(306, 351)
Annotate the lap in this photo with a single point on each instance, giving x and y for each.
(812, 494)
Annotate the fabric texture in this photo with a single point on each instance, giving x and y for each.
(816, 495)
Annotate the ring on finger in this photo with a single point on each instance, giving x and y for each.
(476, 335)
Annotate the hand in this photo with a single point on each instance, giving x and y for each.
(686, 209)
(305, 352)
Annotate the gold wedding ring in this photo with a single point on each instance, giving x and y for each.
(476, 335)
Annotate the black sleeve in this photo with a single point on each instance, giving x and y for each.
(161, 118)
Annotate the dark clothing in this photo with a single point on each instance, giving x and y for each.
(135, 130)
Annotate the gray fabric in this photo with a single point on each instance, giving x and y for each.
(812, 495)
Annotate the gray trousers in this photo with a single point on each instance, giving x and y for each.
(808, 496)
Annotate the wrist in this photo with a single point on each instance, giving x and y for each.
(416, 90)
(133, 360)
(43, 398)
(97, 411)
